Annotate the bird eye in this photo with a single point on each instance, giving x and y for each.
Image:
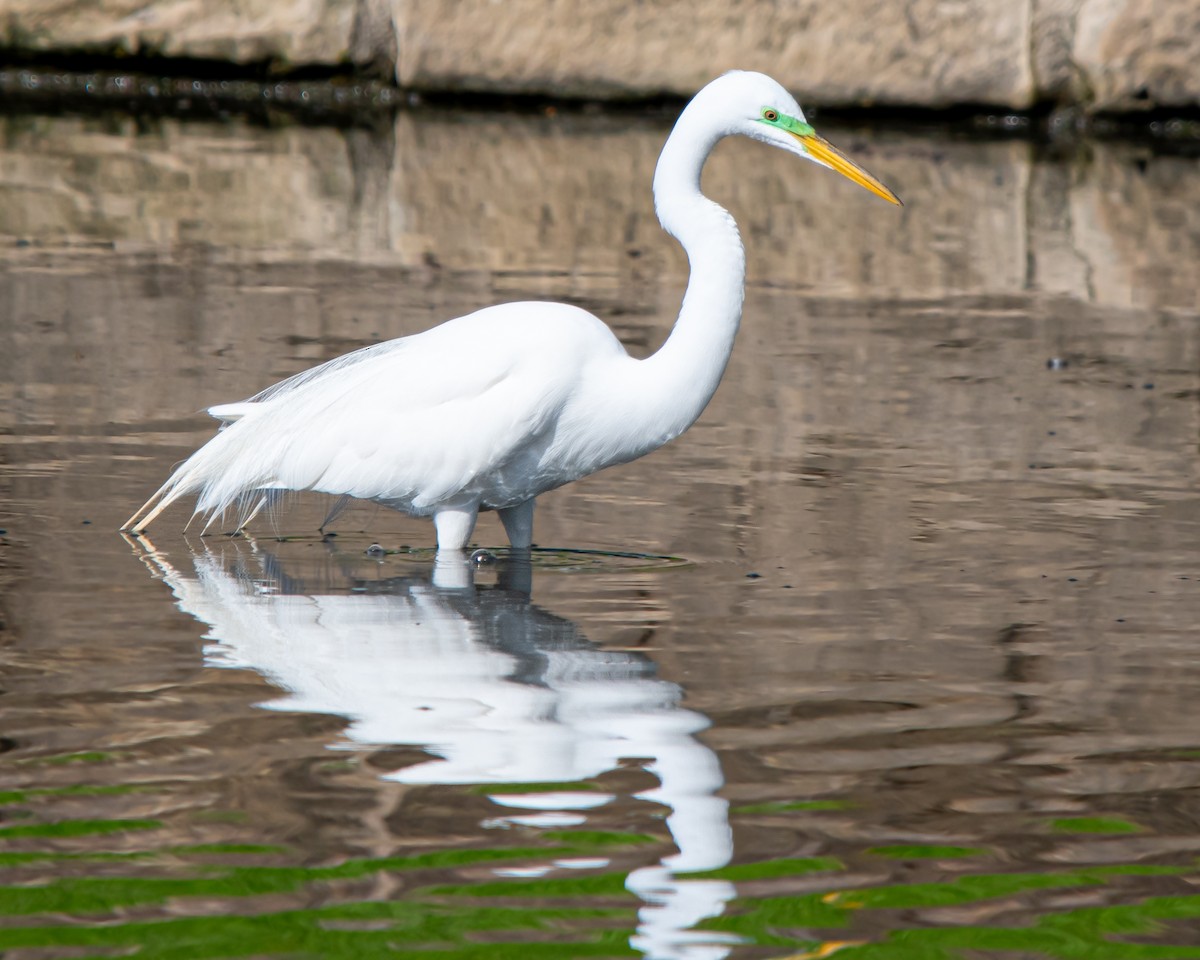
(770, 115)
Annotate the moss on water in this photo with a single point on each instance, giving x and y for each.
(500, 789)
(565, 913)
(792, 806)
(919, 851)
(9, 797)
(84, 756)
(769, 869)
(598, 838)
(76, 828)
(1094, 825)
(87, 896)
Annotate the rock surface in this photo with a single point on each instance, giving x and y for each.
(1106, 54)
(867, 52)
(285, 32)
(1134, 54)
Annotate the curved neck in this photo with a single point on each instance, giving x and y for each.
(683, 375)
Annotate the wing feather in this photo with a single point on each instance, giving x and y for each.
(413, 422)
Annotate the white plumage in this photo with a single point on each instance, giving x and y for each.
(489, 410)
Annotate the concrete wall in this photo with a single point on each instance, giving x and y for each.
(1104, 54)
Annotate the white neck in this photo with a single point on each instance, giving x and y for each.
(680, 379)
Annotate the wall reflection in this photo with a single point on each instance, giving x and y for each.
(567, 199)
(494, 688)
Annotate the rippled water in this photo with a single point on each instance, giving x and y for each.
(909, 668)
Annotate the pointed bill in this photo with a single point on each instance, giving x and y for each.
(821, 149)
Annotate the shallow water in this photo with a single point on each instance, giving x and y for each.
(910, 673)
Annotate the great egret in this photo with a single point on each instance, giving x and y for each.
(488, 410)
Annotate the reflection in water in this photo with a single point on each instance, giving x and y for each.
(498, 691)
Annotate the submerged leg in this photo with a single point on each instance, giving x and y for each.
(454, 525)
(518, 524)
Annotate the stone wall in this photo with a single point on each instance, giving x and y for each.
(1103, 54)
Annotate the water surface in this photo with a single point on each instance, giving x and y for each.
(921, 683)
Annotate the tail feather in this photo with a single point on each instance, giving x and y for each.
(134, 524)
(212, 518)
(255, 450)
(208, 474)
(335, 511)
(248, 515)
(145, 516)
(229, 413)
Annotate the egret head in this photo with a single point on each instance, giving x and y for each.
(763, 110)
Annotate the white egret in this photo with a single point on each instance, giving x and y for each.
(489, 410)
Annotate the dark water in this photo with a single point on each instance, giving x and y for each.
(912, 670)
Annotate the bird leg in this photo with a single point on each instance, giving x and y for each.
(454, 525)
(518, 524)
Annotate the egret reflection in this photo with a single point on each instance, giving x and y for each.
(493, 688)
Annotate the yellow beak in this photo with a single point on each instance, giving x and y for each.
(821, 149)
